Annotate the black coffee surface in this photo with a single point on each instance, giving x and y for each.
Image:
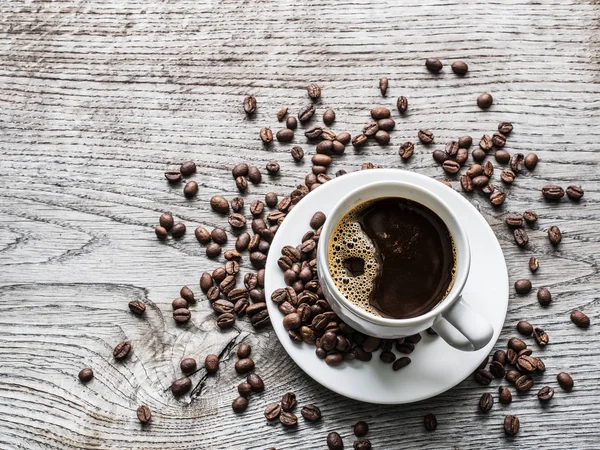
(415, 254)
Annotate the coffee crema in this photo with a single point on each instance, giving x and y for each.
(392, 257)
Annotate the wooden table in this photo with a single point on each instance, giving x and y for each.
(99, 98)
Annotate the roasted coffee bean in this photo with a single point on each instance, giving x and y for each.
(523, 383)
(461, 156)
(359, 140)
(440, 156)
(334, 359)
(512, 376)
(321, 160)
(237, 204)
(260, 319)
(505, 127)
(478, 155)
(288, 419)
(485, 100)
(254, 175)
(219, 204)
(178, 230)
(580, 319)
(187, 365)
(179, 303)
(370, 129)
(255, 382)
(534, 264)
(507, 175)
(500, 356)
(281, 114)
(523, 286)
(525, 352)
(219, 235)
(122, 350)
(521, 237)
(452, 148)
(181, 315)
(317, 221)
(511, 425)
(483, 377)
(516, 162)
(433, 65)
(400, 363)
(244, 365)
(329, 117)
(297, 153)
(574, 192)
(466, 183)
(485, 143)
(285, 135)
(288, 401)
(525, 328)
(530, 216)
(430, 422)
(502, 156)
(314, 91)
(486, 402)
(499, 140)
(425, 136)
(244, 389)
(544, 297)
(382, 137)
(137, 307)
(242, 241)
(402, 104)
(380, 112)
(511, 356)
(272, 168)
(181, 385)
(545, 394)
(86, 374)
(292, 321)
(306, 113)
(186, 293)
(526, 364)
(565, 381)
(166, 220)
(324, 147)
(240, 170)
(227, 284)
(514, 220)
(554, 235)
(362, 444)
(213, 293)
(553, 192)
(531, 161)
(258, 259)
(173, 176)
(187, 168)
(383, 85)
(272, 411)
(360, 429)
(465, 142)
(266, 135)
(225, 320)
(475, 171)
(237, 220)
(334, 441)
(459, 67)
(239, 405)
(497, 369)
(314, 133)
(311, 413)
(219, 274)
(144, 414)
(504, 395)
(488, 169)
(256, 295)
(387, 357)
(451, 167)
(249, 104)
(541, 337)
(480, 181)
(516, 344)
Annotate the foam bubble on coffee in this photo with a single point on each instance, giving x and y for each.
(350, 244)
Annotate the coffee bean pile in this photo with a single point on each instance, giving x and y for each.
(283, 411)
(360, 429)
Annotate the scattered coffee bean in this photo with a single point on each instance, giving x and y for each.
(311, 413)
(179, 303)
(266, 135)
(459, 67)
(244, 365)
(504, 395)
(288, 419)
(178, 230)
(525, 328)
(480, 181)
(554, 235)
(512, 375)
(362, 444)
(166, 220)
(465, 141)
(219, 204)
(483, 377)
(406, 150)
(383, 85)
(240, 404)
(541, 337)
(255, 382)
(514, 220)
(173, 176)
(545, 393)
(534, 264)
(502, 156)
(531, 161)
(219, 235)
(187, 365)
(544, 297)
(486, 402)
(382, 137)
(240, 170)
(488, 169)
(497, 198)
(565, 381)
(273, 168)
(499, 140)
(580, 319)
(329, 117)
(552, 192)
(497, 369)
(334, 441)
(530, 216)
(402, 104)
(317, 220)
(297, 153)
(211, 363)
(516, 344)
(244, 389)
(272, 411)
(122, 350)
(524, 383)
(249, 104)
(181, 385)
(425, 136)
(500, 356)
(237, 204)
(466, 183)
(181, 315)
(187, 168)
(521, 237)
(478, 155)
(511, 425)
(526, 363)
(85, 375)
(203, 235)
(288, 401)
(359, 140)
(440, 156)
(485, 100)
(505, 127)
(433, 65)
(574, 192)
(144, 414)
(461, 156)
(485, 143)
(314, 91)
(306, 113)
(400, 363)
(285, 135)
(430, 422)
(187, 294)
(137, 307)
(237, 220)
(523, 286)
(451, 167)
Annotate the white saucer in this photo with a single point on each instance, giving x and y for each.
(436, 367)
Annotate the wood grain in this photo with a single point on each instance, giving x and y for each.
(99, 98)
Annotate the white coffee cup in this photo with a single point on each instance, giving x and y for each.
(452, 318)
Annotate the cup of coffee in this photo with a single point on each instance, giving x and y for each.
(393, 260)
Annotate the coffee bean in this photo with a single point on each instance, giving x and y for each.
(480, 181)
(178, 230)
(219, 204)
(254, 175)
(488, 169)
(544, 297)
(382, 137)
(137, 307)
(514, 220)
(541, 337)
(255, 382)
(483, 377)
(425, 136)
(121, 351)
(552, 192)
(554, 235)
(523, 383)
(181, 315)
(383, 85)
(370, 129)
(507, 175)
(526, 363)
(534, 264)
(459, 67)
(232, 266)
(314, 133)
(502, 156)
(545, 393)
(525, 328)
(334, 359)
(362, 444)
(240, 170)
(521, 237)
(452, 148)
(314, 91)
(511, 425)
(387, 357)
(499, 140)
(227, 285)
(500, 356)
(512, 375)
(497, 369)
(523, 286)
(430, 422)
(359, 140)
(580, 319)
(225, 320)
(297, 153)
(451, 167)
(478, 155)
(285, 135)
(237, 220)
(244, 365)
(288, 419)
(85, 375)
(180, 386)
(497, 198)
(486, 402)
(565, 381)
(272, 411)
(380, 112)
(166, 220)
(249, 104)
(402, 104)
(144, 414)
(213, 293)
(173, 176)
(179, 303)
(400, 363)
(306, 113)
(266, 135)
(334, 441)
(485, 143)
(329, 117)
(485, 100)
(311, 413)
(317, 220)
(237, 204)
(505, 127)
(531, 161)
(433, 65)
(466, 183)
(504, 395)
(440, 156)
(516, 344)
(574, 192)
(244, 389)
(239, 405)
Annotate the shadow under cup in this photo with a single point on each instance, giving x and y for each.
(354, 315)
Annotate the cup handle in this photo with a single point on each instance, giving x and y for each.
(463, 328)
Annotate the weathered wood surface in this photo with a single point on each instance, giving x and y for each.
(98, 98)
